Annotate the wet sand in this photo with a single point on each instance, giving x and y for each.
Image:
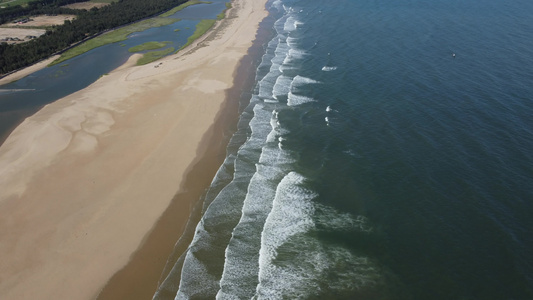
(84, 180)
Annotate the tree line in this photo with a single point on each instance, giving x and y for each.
(87, 24)
(34, 8)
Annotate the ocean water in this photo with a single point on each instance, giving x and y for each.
(372, 163)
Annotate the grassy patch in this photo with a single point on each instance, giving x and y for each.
(114, 36)
(177, 30)
(201, 28)
(222, 15)
(148, 46)
(184, 5)
(154, 55)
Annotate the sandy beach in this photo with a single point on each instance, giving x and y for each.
(84, 180)
(27, 71)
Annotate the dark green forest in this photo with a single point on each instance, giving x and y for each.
(88, 23)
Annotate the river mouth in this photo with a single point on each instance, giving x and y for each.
(24, 97)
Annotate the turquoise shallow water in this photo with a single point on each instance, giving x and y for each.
(371, 163)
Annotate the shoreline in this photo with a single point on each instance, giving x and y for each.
(83, 182)
(171, 245)
(19, 74)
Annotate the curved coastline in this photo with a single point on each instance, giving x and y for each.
(85, 179)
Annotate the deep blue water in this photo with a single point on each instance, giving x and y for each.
(371, 163)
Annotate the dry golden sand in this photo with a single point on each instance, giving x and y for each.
(84, 180)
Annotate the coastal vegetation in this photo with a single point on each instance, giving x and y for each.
(154, 55)
(222, 15)
(148, 46)
(182, 6)
(114, 36)
(88, 23)
(201, 28)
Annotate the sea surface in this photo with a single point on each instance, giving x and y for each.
(385, 153)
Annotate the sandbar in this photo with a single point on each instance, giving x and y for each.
(84, 180)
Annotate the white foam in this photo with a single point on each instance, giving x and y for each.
(280, 142)
(240, 265)
(291, 214)
(291, 41)
(274, 123)
(289, 226)
(295, 100)
(282, 86)
(297, 53)
(300, 81)
(278, 5)
(198, 281)
(280, 23)
(294, 55)
(266, 86)
(278, 59)
(297, 278)
(282, 46)
(285, 68)
(276, 132)
(286, 64)
(329, 68)
(277, 195)
(290, 24)
(281, 159)
(272, 136)
(260, 126)
(266, 61)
